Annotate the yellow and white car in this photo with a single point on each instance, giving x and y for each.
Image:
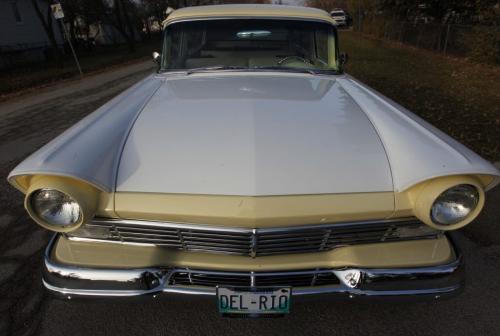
(252, 169)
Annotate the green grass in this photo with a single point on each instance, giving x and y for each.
(459, 97)
(39, 74)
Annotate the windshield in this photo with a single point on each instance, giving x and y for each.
(337, 14)
(250, 44)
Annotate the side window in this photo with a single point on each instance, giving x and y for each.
(15, 12)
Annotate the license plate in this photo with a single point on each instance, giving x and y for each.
(253, 301)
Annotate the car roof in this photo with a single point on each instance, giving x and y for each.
(253, 11)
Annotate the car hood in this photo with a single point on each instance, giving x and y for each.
(259, 134)
(253, 134)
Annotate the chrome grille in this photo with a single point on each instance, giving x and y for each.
(305, 278)
(252, 242)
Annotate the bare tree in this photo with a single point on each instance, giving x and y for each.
(125, 27)
(127, 17)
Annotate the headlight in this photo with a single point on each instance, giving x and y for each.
(55, 207)
(59, 203)
(448, 203)
(455, 204)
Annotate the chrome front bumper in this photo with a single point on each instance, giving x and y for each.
(408, 283)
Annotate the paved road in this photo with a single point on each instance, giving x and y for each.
(25, 309)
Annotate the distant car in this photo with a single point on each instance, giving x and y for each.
(251, 168)
(339, 17)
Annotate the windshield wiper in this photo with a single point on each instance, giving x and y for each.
(299, 70)
(281, 68)
(216, 67)
(257, 68)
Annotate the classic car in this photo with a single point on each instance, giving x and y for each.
(339, 17)
(252, 171)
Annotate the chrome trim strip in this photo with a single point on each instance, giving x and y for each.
(73, 281)
(69, 293)
(208, 227)
(102, 241)
(250, 242)
(257, 274)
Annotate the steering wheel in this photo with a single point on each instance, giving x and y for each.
(294, 57)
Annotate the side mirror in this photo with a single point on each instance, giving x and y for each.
(157, 58)
(343, 59)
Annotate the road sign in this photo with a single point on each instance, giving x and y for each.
(58, 14)
(57, 11)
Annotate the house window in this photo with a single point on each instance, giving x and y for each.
(16, 12)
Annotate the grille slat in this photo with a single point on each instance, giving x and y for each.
(351, 234)
(253, 242)
(147, 235)
(360, 232)
(145, 230)
(199, 249)
(353, 240)
(289, 240)
(155, 240)
(270, 253)
(213, 248)
(287, 235)
(292, 243)
(289, 248)
(217, 241)
(216, 235)
(227, 279)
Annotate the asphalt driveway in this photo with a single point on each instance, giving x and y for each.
(25, 309)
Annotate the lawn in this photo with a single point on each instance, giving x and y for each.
(12, 80)
(459, 97)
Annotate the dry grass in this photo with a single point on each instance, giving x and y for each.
(459, 97)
